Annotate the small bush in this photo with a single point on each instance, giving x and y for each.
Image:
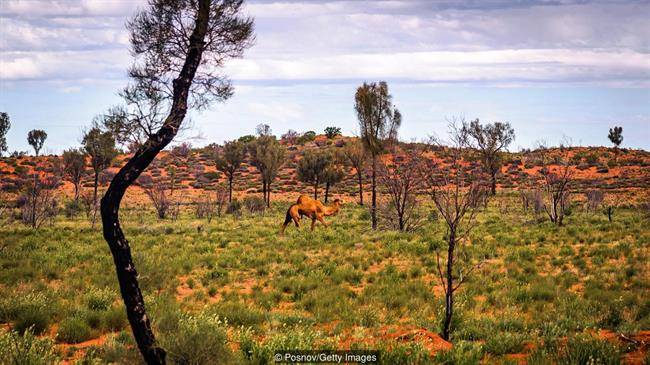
(73, 208)
(26, 349)
(73, 330)
(254, 204)
(99, 299)
(29, 311)
(234, 207)
(198, 339)
(504, 343)
(589, 350)
(115, 319)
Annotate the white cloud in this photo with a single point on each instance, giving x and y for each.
(276, 111)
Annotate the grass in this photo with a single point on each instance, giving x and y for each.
(255, 292)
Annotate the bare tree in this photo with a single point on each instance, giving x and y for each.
(290, 138)
(156, 190)
(36, 138)
(38, 203)
(490, 140)
(402, 180)
(180, 48)
(230, 160)
(357, 158)
(267, 155)
(74, 168)
(458, 195)
(100, 147)
(379, 121)
(595, 199)
(557, 178)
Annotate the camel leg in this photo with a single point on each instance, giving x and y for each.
(320, 219)
(313, 223)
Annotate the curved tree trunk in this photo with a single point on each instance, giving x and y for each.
(110, 203)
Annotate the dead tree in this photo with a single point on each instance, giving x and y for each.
(402, 180)
(180, 66)
(557, 177)
(458, 195)
(38, 203)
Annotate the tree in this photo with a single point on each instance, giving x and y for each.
(490, 140)
(230, 160)
(379, 121)
(291, 137)
(332, 132)
(334, 173)
(556, 184)
(616, 136)
(402, 180)
(5, 124)
(157, 193)
(267, 155)
(180, 48)
(38, 203)
(100, 148)
(263, 130)
(36, 138)
(457, 195)
(356, 156)
(74, 168)
(312, 168)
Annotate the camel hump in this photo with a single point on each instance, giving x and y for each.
(303, 199)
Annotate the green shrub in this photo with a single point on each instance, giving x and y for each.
(99, 299)
(584, 349)
(463, 353)
(29, 311)
(234, 207)
(73, 208)
(73, 330)
(200, 339)
(504, 343)
(26, 349)
(115, 319)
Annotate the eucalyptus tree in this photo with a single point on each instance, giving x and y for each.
(99, 145)
(267, 155)
(229, 161)
(36, 138)
(74, 168)
(490, 140)
(180, 48)
(312, 168)
(5, 124)
(379, 121)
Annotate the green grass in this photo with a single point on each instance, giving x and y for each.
(255, 292)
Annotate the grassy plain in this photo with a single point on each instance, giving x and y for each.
(233, 291)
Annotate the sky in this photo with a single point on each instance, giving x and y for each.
(553, 69)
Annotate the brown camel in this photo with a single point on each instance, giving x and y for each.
(311, 208)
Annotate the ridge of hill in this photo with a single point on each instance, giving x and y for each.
(195, 172)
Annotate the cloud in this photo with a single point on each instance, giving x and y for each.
(500, 42)
(276, 111)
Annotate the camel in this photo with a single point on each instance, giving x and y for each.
(312, 208)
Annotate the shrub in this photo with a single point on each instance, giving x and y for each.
(504, 343)
(29, 311)
(234, 207)
(73, 208)
(99, 299)
(589, 350)
(200, 339)
(115, 319)
(26, 349)
(332, 132)
(73, 330)
(254, 204)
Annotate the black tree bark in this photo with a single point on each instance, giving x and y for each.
(449, 291)
(360, 187)
(110, 203)
(374, 192)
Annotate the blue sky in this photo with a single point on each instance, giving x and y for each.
(550, 68)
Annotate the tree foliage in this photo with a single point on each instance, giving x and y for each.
(5, 124)
(379, 121)
(229, 161)
(356, 156)
(36, 138)
(74, 168)
(331, 132)
(312, 168)
(490, 140)
(267, 155)
(100, 147)
(616, 136)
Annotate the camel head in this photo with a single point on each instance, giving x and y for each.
(335, 206)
